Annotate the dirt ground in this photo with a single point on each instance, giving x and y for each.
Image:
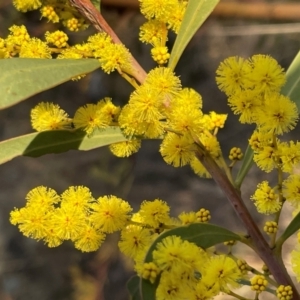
(31, 271)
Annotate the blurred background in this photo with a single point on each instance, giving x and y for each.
(31, 271)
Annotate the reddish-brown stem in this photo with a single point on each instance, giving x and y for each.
(268, 255)
(87, 9)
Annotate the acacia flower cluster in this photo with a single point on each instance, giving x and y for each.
(75, 215)
(54, 11)
(111, 56)
(161, 16)
(159, 108)
(253, 88)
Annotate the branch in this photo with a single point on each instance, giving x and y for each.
(237, 9)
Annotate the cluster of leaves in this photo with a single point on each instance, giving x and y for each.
(172, 257)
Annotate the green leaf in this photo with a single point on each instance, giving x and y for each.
(246, 165)
(203, 235)
(290, 230)
(148, 290)
(21, 78)
(57, 141)
(97, 4)
(133, 288)
(196, 13)
(292, 86)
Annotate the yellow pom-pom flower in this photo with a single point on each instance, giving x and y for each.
(222, 271)
(26, 5)
(89, 238)
(279, 115)
(110, 214)
(175, 16)
(42, 196)
(289, 155)
(265, 199)
(177, 150)
(232, 75)
(259, 139)
(92, 116)
(247, 104)
(128, 122)
(78, 197)
(17, 37)
(35, 48)
(98, 42)
(266, 74)
(33, 220)
(291, 188)
(134, 240)
(125, 149)
(188, 218)
(266, 158)
(154, 213)
(67, 222)
(49, 116)
(145, 104)
(175, 254)
(165, 82)
(115, 57)
(154, 32)
(187, 97)
(186, 119)
(172, 288)
(157, 9)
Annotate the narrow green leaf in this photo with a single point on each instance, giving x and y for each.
(246, 165)
(196, 13)
(292, 86)
(57, 141)
(290, 230)
(21, 78)
(203, 235)
(133, 288)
